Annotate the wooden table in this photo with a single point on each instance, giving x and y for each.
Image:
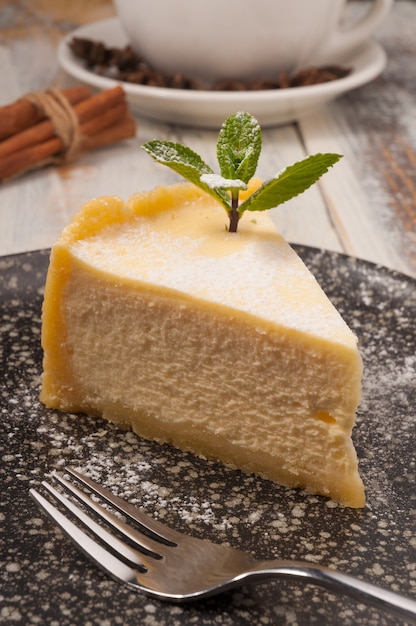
(365, 206)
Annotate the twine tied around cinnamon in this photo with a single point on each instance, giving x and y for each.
(56, 107)
(53, 127)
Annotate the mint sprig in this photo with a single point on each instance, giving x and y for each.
(238, 150)
(239, 146)
(188, 164)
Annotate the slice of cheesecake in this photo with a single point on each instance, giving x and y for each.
(160, 320)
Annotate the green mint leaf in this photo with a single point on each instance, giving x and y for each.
(187, 163)
(289, 183)
(239, 146)
(238, 151)
(180, 158)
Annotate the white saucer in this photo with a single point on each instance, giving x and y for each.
(208, 109)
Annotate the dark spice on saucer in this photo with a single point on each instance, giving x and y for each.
(123, 64)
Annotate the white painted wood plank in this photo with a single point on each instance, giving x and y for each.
(353, 211)
(372, 194)
(304, 219)
(9, 88)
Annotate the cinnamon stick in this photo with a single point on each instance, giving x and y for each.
(22, 114)
(124, 129)
(94, 122)
(29, 158)
(39, 154)
(105, 120)
(92, 108)
(99, 103)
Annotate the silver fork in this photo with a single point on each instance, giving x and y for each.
(166, 564)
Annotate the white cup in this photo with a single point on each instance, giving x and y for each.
(243, 39)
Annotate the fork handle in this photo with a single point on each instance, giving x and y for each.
(336, 581)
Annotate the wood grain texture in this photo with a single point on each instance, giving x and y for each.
(365, 206)
(376, 129)
(371, 195)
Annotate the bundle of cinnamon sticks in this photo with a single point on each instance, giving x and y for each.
(55, 126)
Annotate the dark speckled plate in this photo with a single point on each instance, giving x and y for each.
(44, 580)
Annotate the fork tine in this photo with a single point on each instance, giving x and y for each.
(115, 544)
(157, 530)
(146, 544)
(97, 553)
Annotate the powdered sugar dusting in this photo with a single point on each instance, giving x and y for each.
(215, 181)
(203, 498)
(258, 275)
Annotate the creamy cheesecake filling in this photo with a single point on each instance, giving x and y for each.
(187, 249)
(256, 368)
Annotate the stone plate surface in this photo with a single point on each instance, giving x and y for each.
(45, 580)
